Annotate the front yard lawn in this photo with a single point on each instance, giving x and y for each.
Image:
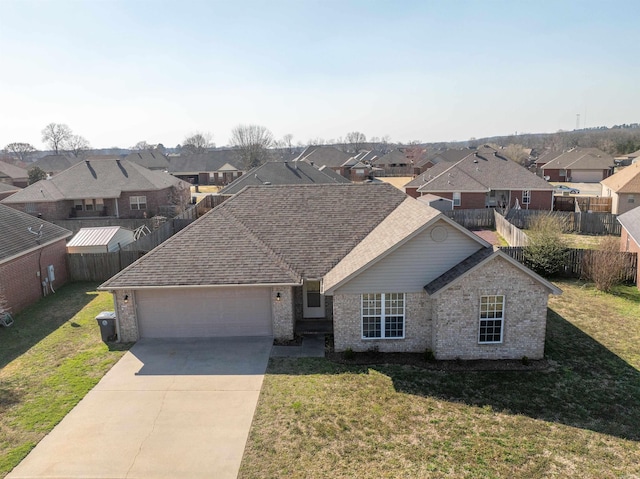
(49, 359)
(579, 418)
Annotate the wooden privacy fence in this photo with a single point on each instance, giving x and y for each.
(575, 260)
(99, 266)
(512, 234)
(474, 218)
(584, 223)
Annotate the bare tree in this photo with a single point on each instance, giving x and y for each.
(198, 142)
(20, 151)
(253, 143)
(516, 153)
(606, 266)
(55, 135)
(77, 145)
(355, 141)
(142, 145)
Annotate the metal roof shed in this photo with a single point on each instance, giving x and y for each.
(102, 239)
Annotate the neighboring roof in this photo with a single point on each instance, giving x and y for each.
(452, 155)
(581, 159)
(96, 179)
(282, 173)
(324, 156)
(428, 198)
(153, 160)
(210, 161)
(97, 236)
(12, 171)
(5, 187)
(459, 271)
(55, 163)
(547, 156)
(332, 173)
(407, 156)
(16, 239)
(407, 220)
(278, 235)
(631, 222)
(482, 170)
(627, 180)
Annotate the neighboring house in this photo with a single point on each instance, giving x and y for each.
(217, 167)
(484, 179)
(627, 159)
(150, 159)
(13, 175)
(624, 189)
(543, 159)
(328, 156)
(100, 239)
(32, 258)
(405, 161)
(282, 173)
(95, 188)
(630, 237)
(387, 271)
(54, 164)
(579, 165)
(7, 190)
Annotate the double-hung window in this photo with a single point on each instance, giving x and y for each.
(491, 319)
(138, 202)
(383, 315)
(526, 197)
(457, 199)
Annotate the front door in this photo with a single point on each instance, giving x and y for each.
(312, 300)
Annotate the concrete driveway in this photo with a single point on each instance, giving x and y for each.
(167, 409)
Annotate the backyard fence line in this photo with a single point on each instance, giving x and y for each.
(99, 266)
(473, 218)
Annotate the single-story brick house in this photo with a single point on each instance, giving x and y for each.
(386, 270)
(484, 179)
(623, 188)
(32, 258)
(630, 235)
(578, 165)
(103, 187)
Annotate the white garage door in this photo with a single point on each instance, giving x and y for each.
(586, 176)
(204, 312)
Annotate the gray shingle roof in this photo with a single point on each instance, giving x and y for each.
(627, 180)
(205, 162)
(581, 159)
(55, 163)
(483, 170)
(5, 187)
(266, 235)
(16, 238)
(282, 173)
(152, 160)
(631, 222)
(96, 179)
(14, 172)
(324, 156)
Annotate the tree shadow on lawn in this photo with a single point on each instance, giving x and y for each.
(42, 318)
(586, 385)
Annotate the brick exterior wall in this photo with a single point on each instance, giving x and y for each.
(456, 315)
(627, 243)
(347, 325)
(62, 210)
(19, 280)
(282, 313)
(127, 323)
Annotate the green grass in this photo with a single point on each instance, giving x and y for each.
(580, 418)
(50, 358)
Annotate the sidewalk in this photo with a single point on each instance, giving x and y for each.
(312, 347)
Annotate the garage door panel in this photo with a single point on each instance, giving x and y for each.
(205, 312)
(586, 176)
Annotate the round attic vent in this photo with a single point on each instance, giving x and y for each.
(439, 234)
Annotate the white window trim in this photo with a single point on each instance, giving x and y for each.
(526, 197)
(481, 319)
(383, 300)
(457, 198)
(137, 203)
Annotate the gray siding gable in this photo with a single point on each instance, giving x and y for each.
(414, 264)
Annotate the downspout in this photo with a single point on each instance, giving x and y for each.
(116, 208)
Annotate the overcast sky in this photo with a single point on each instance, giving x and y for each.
(118, 72)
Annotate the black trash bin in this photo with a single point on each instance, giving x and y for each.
(107, 322)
